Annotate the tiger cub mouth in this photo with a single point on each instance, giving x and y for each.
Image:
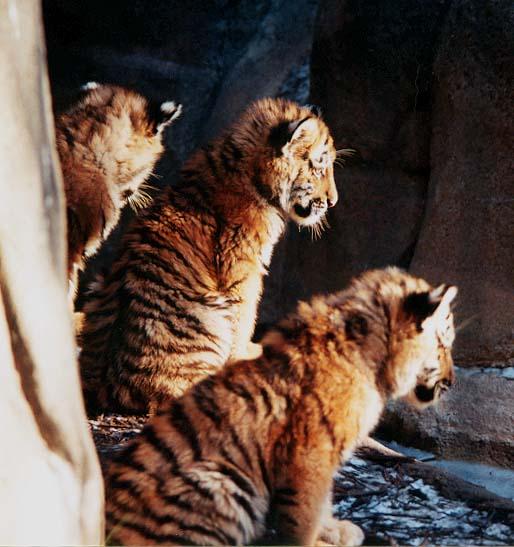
(313, 211)
(426, 394)
(303, 212)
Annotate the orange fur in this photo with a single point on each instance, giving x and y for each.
(260, 441)
(182, 296)
(108, 145)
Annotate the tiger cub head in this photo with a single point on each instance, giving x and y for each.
(419, 366)
(120, 133)
(295, 169)
(431, 347)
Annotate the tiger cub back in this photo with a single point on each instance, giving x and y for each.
(181, 298)
(260, 441)
(108, 145)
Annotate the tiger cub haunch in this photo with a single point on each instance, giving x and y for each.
(181, 298)
(260, 440)
(108, 145)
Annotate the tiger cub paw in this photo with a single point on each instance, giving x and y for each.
(340, 532)
(252, 351)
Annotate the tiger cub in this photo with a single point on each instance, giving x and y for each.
(259, 441)
(108, 144)
(181, 298)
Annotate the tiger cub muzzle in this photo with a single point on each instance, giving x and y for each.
(426, 394)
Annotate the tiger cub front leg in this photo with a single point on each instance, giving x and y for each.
(337, 532)
(298, 504)
(243, 347)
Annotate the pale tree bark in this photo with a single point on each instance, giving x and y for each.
(50, 482)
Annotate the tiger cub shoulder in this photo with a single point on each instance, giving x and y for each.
(259, 442)
(108, 144)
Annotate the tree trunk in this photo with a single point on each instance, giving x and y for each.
(50, 483)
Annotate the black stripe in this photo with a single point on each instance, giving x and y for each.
(286, 491)
(176, 500)
(126, 457)
(238, 479)
(289, 518)
(181, 422)
(227, 161)
(284, 501)
(263, 468)
(171, 303)
(152, 240)
(191, 199)
(157, 283)
(169, 456)
(156, 442)
(159, 519)
(234, 437)
(142, 530)
(245, 504)
(170, 326)
(208, 151)
(265, 191)
(237, 153)
(136, 349)
(236, 283)
(179, 281)
(267, 400)
(100, 312)
(206, 404)
(102, 331)
(240, 391)
(324, 420)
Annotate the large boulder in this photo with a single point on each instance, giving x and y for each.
(472, 422)
(468, 233)
(423, 92)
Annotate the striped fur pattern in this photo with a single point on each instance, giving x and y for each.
(108, 144)
(181, 298)
(257, 444)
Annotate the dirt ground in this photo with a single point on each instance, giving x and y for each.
(395, 499)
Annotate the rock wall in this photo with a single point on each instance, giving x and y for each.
(423, 91)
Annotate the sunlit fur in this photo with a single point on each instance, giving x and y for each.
(258, 443)
(108, 144)
(181, 297)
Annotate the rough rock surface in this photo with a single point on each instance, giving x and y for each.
(423, 91)
(468, 233)
(473, 422)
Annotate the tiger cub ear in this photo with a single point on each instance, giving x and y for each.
(425, 304)
(165, 115)
(315, 109)
(287, 133)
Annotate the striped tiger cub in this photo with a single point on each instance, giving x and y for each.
(108, 145)
(181, 298)
(257, 444)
